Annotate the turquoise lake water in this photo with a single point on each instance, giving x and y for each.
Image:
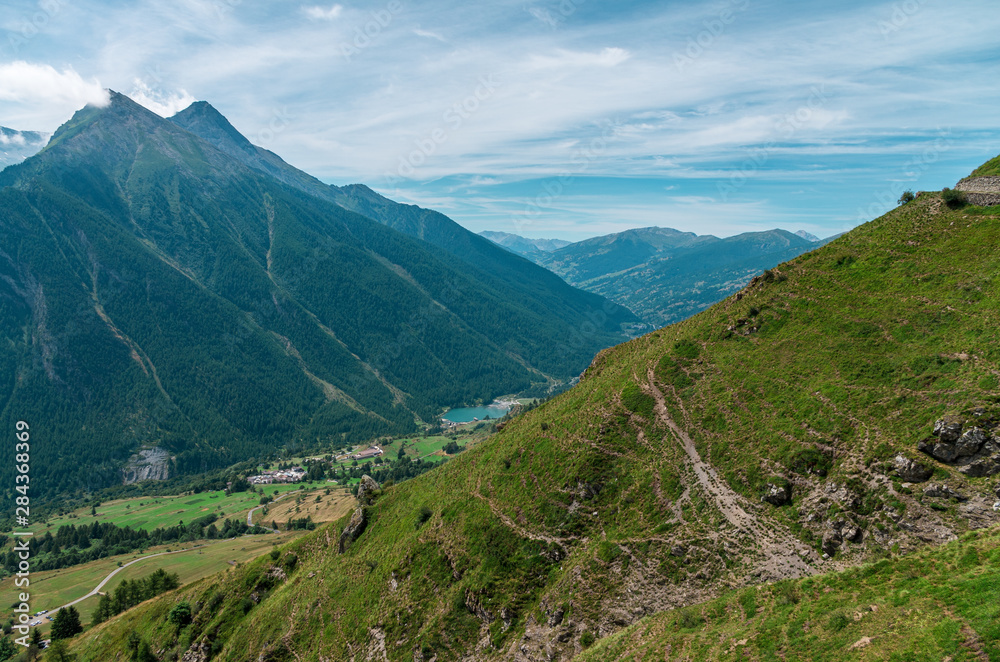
(469, 414)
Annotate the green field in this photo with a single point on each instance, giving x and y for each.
(54, 588)
(428, 448)
(149, 513)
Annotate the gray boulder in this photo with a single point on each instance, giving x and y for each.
(355, 527)
(910, 470)
(970, 442)
(983, 466)
(943, 451)
(777, 495)
(366, 489)
(831, 542)
(943, 492)
(851, 533)
(948, 429)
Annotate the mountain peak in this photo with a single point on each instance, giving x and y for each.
(201, 118)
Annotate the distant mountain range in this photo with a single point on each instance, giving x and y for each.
(523, 245)
(665, 275)
(16, 146)
(164, 284)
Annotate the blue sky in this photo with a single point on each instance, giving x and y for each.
(554, 118)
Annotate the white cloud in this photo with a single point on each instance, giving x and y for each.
(428, 34)
(42, 85)
(606, 57)
(160, 103)
(323, 14)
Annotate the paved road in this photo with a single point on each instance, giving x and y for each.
(116, 571)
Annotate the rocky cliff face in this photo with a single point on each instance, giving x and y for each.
(147, 464)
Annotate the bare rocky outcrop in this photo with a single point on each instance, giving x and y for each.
(147, 464)
(910, 470)
(936, 491)
(355, 527)
(974, 451)
(367, 489)
(777, 494)
(197, 653)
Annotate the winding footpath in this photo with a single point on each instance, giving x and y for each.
(783, 555)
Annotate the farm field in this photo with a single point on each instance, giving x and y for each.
(54, 588)
(328, 508)
(149, 513)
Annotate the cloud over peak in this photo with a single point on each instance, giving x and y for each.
(161, 103)
(43, 86)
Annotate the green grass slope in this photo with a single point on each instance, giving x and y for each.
(641, 489)
(989, 169)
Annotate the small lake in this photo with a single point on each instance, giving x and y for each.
(469, 414)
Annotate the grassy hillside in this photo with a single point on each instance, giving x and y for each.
(939, 604)
(642, 489)
(988, 169)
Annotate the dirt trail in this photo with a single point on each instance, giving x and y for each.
(781, 555)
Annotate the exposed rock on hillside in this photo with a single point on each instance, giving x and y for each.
(147, 464)
(367, 489)
(355, 527)
(975, 451)
(943, 492)
(778, 494)
(910, 470)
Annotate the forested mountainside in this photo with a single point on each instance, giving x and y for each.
(512, 276)
(841, 409)
(155, 292)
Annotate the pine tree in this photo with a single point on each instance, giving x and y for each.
(66, 624)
